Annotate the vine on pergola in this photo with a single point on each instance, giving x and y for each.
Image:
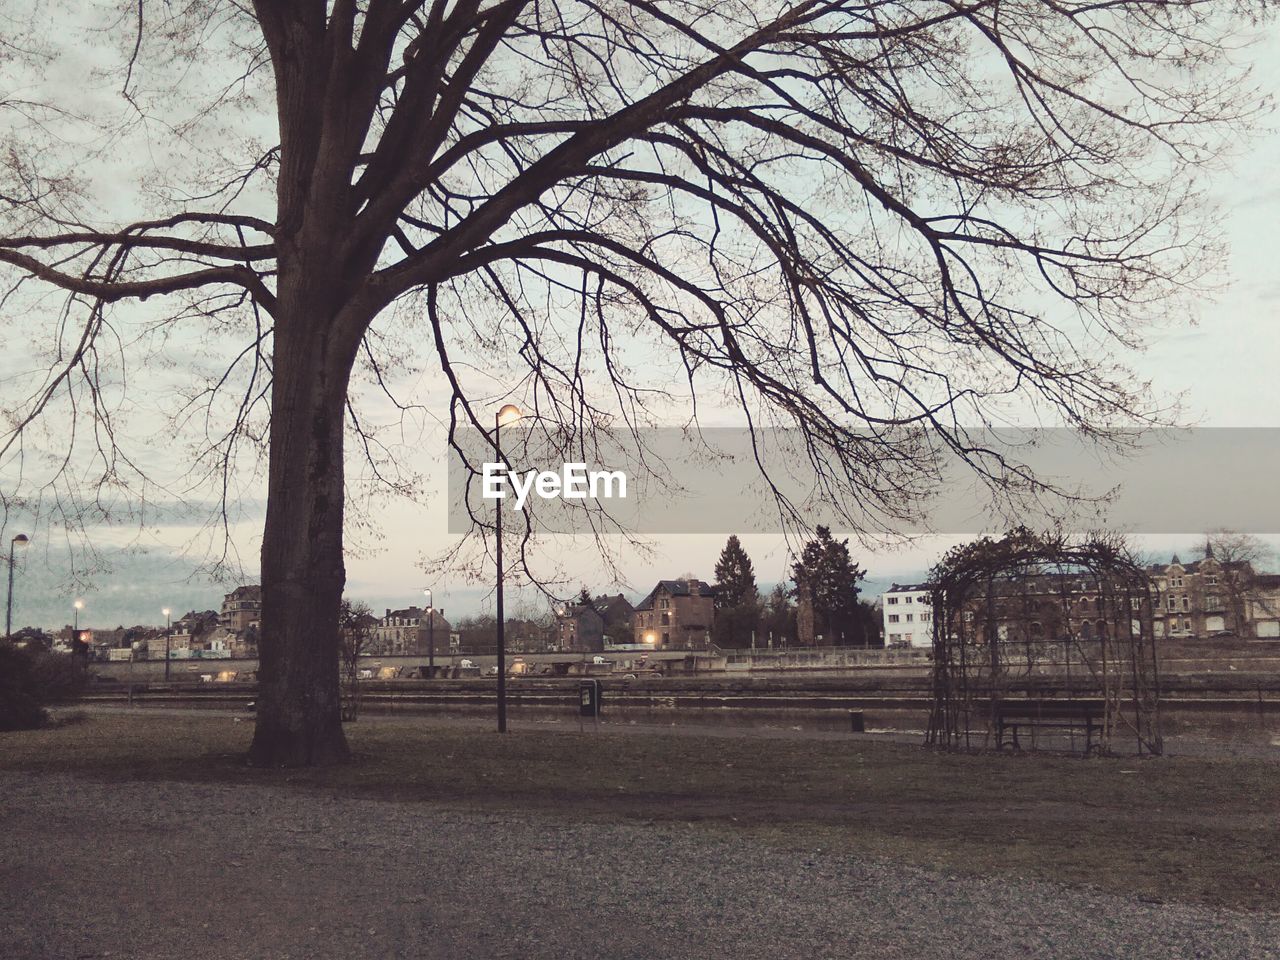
(1034, 613)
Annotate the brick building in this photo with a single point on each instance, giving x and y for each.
(579, 626)
(676, 614)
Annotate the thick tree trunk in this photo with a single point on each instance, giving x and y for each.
(299, 701)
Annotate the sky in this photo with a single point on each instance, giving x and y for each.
(1225, 358)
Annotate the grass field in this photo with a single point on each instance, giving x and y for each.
(1167, 829)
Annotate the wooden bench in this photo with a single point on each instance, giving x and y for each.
(1012, 715)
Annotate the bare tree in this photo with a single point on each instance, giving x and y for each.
(1241, 556)
(1230, 547)
(874, 221)
(355, 631)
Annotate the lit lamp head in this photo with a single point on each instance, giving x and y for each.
(79, 604)
(165, 611)
(426, 592)
(508, 414)
(20, 541)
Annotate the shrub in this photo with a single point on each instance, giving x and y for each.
(31, 679)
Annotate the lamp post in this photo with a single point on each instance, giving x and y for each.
(21, 540)
(133, 655)
(75, 631)
(431, 634)
(509, 413)
(166, 644)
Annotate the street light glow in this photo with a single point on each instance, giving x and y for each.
(79, 604)
(509, 414)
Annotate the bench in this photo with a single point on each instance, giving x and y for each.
(1012, 715)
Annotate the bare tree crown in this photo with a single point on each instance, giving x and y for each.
(878, 222)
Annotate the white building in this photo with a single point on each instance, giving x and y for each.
(908, 615)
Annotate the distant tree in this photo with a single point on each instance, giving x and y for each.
(478, 634)
(355, 632)
(33, 637)
(585, 599)
(737, 600)
(778, 619)
(735, 576)
(1241, 555)
(1231, 547)
(826, 571)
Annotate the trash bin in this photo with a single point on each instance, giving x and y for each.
(856, 724)
(589, 698)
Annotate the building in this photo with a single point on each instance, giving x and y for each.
(676, 614)
(410, 631)
(579, 627)
(1264, 606)
(617, 611)
(1199, 599)
(907, 611)
(241, 609)
(1211, 597)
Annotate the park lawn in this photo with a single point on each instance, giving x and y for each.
(1168, 829)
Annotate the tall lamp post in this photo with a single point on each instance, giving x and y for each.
(431, 634)
(509, 413)
(165, 611)
(75, 632)
(20, 541)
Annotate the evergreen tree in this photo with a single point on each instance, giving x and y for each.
(737, 599)
(831, 577)
(735, 577)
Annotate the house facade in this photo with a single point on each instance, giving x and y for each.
(241, 609)
(579, 626)
(409, 631)
(676, 614)
(907, 614)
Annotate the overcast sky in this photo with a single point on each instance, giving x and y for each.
(1228, 363)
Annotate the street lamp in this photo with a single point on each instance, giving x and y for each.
(165, 611)
(431, 633)
(133, 655)
(21, 540)
(508, 414)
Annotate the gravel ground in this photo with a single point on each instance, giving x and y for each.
(168, 870)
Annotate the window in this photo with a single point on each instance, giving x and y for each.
(666, 619)
(1186, 625)
(664, 604)
(926, 617)
(910, 599)
(1212, 579)
(893, 601)
(1213, 602)
(895, 638)
(894, 618)
(909, 618)
(906, 637)
(1186, 603)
